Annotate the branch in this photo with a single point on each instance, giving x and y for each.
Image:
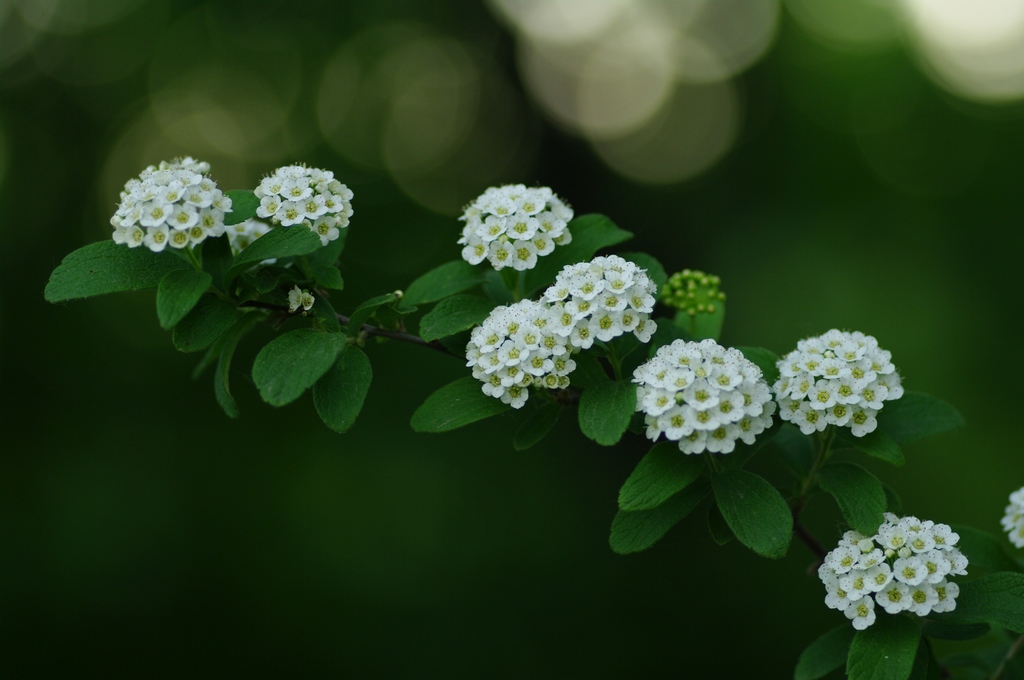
(1010, 653)
(809, 539)
(366, 329)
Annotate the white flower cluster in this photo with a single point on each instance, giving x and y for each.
(516, 347)
(1013, 521)
(512, 225)
(242, 234)
(838, 378)
(703, 396)
(901, 568)
(174, 204)
(298, 297)
(295, 194)
(601, 300)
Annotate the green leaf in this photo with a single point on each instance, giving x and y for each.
(649, 263)
(743, 452)
(720, 531)
(327, 255)
(755, 511)
(590, 233)
(984, 550)
(825, 654)
(589, 372)
(221, 379)
(917, 415)
(795, 450)
(325, 314)
(291, 363)
(328, 277)
(277, 243)
(208, 320)
(266, 278)
(661, 474)
(765, 359)
(217, 259)
(605, 410)
(243, 206)
(455, 405)
(893, 503)
(879, 445)
(640, 529)
(338, 396)
(107, 267)
(450, 278)
(953, 631)
(454, 314)
(366, 309)
(177, 293)
(495, 288)
(884, 651)
(536, 426)
(861, 497)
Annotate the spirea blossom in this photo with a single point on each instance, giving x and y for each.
(1013, 521)
(703, 396)
(903, 567)
(242, 234)
(838, 378)
(515, 348)
(295, 194)
(174, 204)
(297, 297)
(513, 225)
(601, 300)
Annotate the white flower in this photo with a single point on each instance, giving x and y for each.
(704, 396)
(512, 226)
(844, 378)
(1013, 520)
(904, 567)
(295, 194)
(169, 205)
(299, 298)
(861, 612)
(605, 298)
(516, 348)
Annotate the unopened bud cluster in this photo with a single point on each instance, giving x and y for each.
(693, 292)
(903, 567)
(1013, 521)
(174, 204)
(295, 194)
(838, 378)
(513, 225)
(517, 347)
(601, 300)
(704, 396)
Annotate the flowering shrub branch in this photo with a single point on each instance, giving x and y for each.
(551, 329)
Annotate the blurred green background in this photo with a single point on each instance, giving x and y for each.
(852, 165)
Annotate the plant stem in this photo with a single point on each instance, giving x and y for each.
(796, 505)
(367, 329)
(192, 258)
(1010, 653)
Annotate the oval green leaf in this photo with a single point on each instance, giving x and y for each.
(605, 410)
(661, 474)
(338, 396)
(449, 278)
(885, 650)
(208, 320)
(861, 497)
(276, 243)
(455, 405)
(984, 550)
(454, 314)
(108, 267)
(590, 233)
(177, 293)
(755, 512)
(243, 206)
(825, 654)
(290, 364)
(640, 529)
(917, 415)
(536, 426)
(765, 359)
(878, 445)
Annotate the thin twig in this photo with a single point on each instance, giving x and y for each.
(1010, 653)
(366, 329)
